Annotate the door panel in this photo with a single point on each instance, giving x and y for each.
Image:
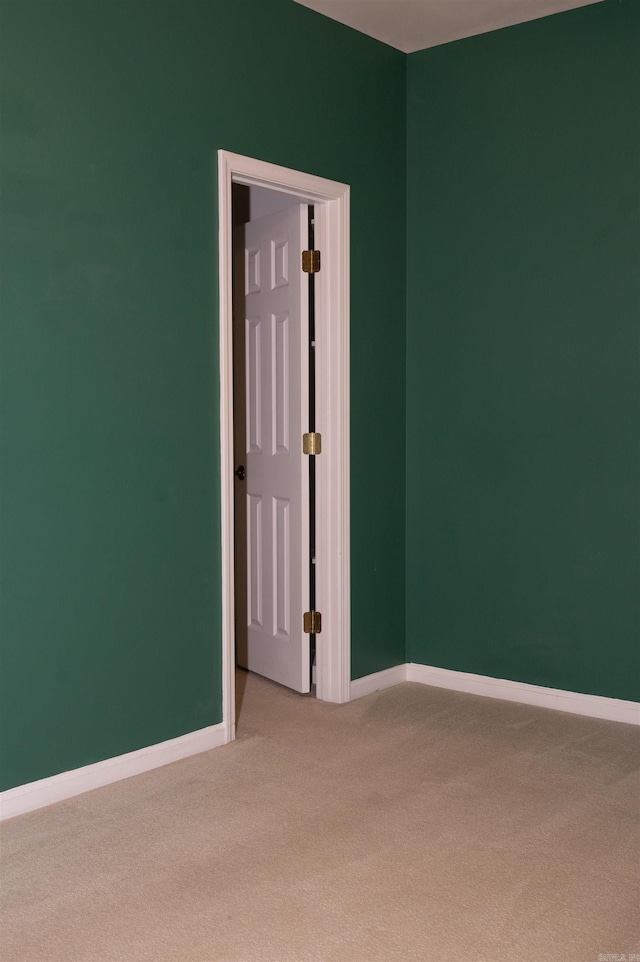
(270, 410)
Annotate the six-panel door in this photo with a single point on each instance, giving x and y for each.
(270, 410)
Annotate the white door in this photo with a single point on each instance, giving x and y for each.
(271, 414)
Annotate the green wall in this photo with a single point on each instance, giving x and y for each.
(515, 351)
(522, 353)
(112, 116)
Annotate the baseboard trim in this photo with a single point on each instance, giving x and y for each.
(593, 706)
(377, 681)
(58, 788)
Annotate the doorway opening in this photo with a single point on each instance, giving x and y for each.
(273, 405)
(330, 201)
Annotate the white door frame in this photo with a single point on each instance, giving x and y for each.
(333, 586)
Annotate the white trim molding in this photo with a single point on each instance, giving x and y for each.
(58, 788)
(577, 703)
(333, 589)
(378, 680)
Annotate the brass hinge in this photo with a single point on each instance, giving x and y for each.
(312, 443)
(311, 262)
(312, 622)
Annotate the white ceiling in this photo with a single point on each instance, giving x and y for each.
(411, 25)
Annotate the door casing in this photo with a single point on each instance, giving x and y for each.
(331, 202)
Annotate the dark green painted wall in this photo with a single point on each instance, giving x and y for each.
(523, 478)
(521, 350)
(112, 116)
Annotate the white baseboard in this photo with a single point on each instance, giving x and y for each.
(593, 706)
(379, 680)
(57, 788)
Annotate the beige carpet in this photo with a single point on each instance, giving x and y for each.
(413, 824)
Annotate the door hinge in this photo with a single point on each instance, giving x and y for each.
(312, 622)
(311, 262)
(312, 443)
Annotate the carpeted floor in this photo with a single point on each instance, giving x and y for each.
(414, 824)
